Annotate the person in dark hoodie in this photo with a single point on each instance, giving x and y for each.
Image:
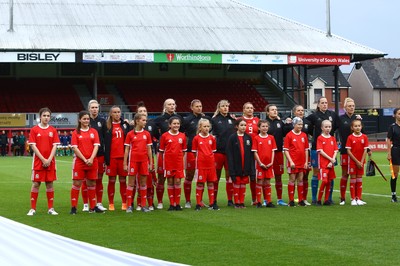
(240, 162)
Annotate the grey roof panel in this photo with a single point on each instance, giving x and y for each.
(163, 25)
(381, 72)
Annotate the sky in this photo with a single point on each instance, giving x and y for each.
(369, 22)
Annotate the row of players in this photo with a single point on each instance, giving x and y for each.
(237, 160)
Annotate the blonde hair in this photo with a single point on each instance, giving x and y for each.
(165, 104)
(219, 105)
(200, 123)
(91, 102)
(347, 101)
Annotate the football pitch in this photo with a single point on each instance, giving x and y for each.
(327, 235)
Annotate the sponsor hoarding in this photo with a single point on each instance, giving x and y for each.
(299, 59)
(117, 57)
(37, 57)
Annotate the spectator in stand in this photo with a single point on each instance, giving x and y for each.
(21, 143)
(252, 130)
(278, 129)
(99, 124)
(43, 140)
(3, 143)
(322, 113)
(114, 138)
(223, 126)
(160, 127)
(190, 123)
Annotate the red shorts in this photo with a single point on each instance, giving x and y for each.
(190, 161)
(354, 170)
(220, 161)
(82, 173)
(264, 173)
(326, 174)
(116, 167)
(205, 175)
(278, 163)
(174, 173)
(101, 166)
(43, 176)
(141, 168)
(160, 166)
(295, 170)
(344, 159)
(240, 180)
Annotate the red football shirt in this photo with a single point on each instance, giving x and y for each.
(44, 139)
(117, 141)
(85, 142)
(138, 142)
(296, 144)
(204, 148)
(173, 146)
(251, 126)
(357, 144)
(264, 146)
(329, 146)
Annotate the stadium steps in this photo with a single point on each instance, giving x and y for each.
(83, 93)
(272, 97)
(117, 97)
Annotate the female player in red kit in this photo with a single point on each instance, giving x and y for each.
(327, 150)
(114, 139)
(43, 140)
(296, 148)
(264, 147)
(173, 148)
(85, 144)
(204, 145)
(356, 145)
(138, 161)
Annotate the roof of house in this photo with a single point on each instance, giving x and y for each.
(382, 72)
(326, 74)
(163, 25)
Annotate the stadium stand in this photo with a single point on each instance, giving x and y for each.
(154, 92)
(29, 95)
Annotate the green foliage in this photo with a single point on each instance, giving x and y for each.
(346, 235)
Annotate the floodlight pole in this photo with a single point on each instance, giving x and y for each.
(11, 22)
(328, 18)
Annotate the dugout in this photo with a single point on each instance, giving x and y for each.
(96, 43)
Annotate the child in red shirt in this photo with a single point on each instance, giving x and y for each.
(356, 145)
(264, 147)
(85, 144)
(327, 150)
(296, 148)
(138, 161)
(204, 145)
(173, 148)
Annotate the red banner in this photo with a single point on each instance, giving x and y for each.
(306, 59)
(378, 146)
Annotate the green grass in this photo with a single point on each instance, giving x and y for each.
(346, 235)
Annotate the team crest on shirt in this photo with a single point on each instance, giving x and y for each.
(302, 140)
(332, 142)
(124, 126)
(248, 142)
(330, 118)
(99, 124)
(230, 122)
(168, 172)
(362, 141)
(278, 125)
(132, 170)
(150, 128)
(200, 178)
(91, 135)
(144, 137)
(50, 134)
(306, 126)
(37, 176)
(180, 140)
(269, 142)
(210, 141)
